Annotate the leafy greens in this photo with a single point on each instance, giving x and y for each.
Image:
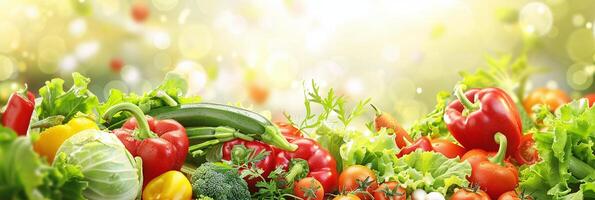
(56, 101)
(566, 149)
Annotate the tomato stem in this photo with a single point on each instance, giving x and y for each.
(378, 112)
(143, 131)
(469, 106)
(499, 157)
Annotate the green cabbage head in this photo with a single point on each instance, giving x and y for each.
(109, 168)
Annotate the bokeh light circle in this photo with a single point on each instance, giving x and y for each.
(108, 7)
(536, 18)
(581, 45)
(131, 74)
(9, 37)
(7, 67)
(580, 76)
(50, 50)
(194, 73)
(162, 60)
(117, 85)
(195, 41)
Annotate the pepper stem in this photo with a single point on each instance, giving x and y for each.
(143, 131)
(469, 106)
(378, 112)
(499, 157)
(273, 136)
(166, 98)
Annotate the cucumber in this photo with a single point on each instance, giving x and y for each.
(218, 115)
(214, 115)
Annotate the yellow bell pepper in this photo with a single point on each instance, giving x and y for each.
(171, 185)
(52, 138)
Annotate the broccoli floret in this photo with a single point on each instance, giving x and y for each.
(202, 197)
(220, 182)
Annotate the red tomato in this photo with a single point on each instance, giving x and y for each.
(467, 194)
(358, 176)
(551, 97)
(309, 189)
(590, 98)
(116, 64)
(527, 154)
(289, 130)
(140, 11)
(390, 191)
(346, 197)
(475, 156)
(513, 195)
(447, 148)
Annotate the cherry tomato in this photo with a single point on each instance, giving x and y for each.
(590, 98)
(469, 194)
(390, 191)
(309, 189)
(527, 154)
(513, 195)
(551, 97)
(116, 64)
(258, 92)
(447, 148)
(475, 156)
(140, 11)
(358, 176)
(289, 130)
(346, 197)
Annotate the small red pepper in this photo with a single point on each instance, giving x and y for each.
(493, 175)
(477, 115)
(422, 143)
(385, 120)
(320, 164)
(19, 109)
(162, 144)
(267, 164)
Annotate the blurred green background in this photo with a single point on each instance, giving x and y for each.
(258, 52)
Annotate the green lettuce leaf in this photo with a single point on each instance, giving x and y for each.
(433, 124)
(24, 175)
(376, 151)
(431, 171)
(566, 150)
(56, 101)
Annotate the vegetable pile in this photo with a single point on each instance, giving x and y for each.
(486, 139)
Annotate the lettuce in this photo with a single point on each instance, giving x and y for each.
(376, 151)
(566, 149)
(24, 175)
(56, 101)
(431, 171)
(433, 123)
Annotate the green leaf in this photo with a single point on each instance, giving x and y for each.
(433, 124)
(56, 101)
(24, 175)
(431, 171)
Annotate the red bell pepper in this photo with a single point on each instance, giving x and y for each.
(493, 175)
(385, 120)
(422, 143)
(320, 164)
(478, 114)
(162, 144)
(267, 164)
(19, 109)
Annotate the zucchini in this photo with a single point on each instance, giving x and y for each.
(216, 115)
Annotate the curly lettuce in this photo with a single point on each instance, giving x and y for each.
(431, 171)
(376, 150)
(55, 101)
(566, 149)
